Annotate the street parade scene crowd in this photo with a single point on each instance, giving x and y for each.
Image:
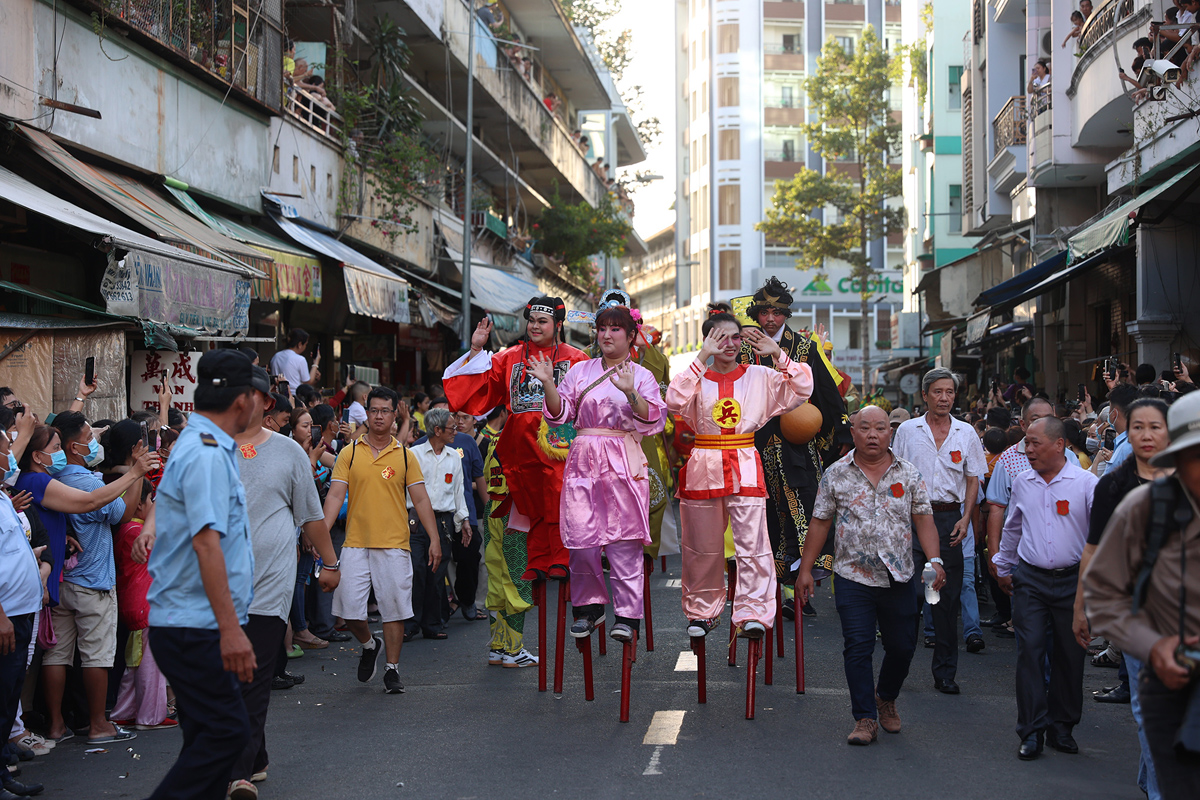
(165, 570)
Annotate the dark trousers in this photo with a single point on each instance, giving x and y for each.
(429, 587)
(319, 609)
(863, 609)
(1043, 601)
(212, 714)
(1163, 712)
(266, 635)
(466, 579)
(945, 613)
(304, 571)
(12, 675)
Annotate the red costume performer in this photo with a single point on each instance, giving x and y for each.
(531, 455)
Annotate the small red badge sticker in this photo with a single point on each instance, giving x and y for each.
(956, 456)
(248, 450)
(897, 490)
(1064, 507)
(387, 473)
(449, 478)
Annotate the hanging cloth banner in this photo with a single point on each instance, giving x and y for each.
(149, 286)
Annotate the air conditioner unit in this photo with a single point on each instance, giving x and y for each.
(1046, 45)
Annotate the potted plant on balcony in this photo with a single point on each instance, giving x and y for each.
(573, 233)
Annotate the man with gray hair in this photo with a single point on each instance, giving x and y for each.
(442, 467)
(948, 454)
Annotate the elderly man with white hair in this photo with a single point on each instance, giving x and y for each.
(948, 454)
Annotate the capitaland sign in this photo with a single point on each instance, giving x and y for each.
(828, 286)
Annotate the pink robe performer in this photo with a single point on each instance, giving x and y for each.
(605, 501)
(723, 483)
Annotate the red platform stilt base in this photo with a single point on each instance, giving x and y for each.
(585, 649)
(647, 611)
(799, 623)
(539, 599)
(779, 617)
(701, 673)
(731, 569)
(754, 648)
(629, 656)
(603, 638)
(564, 590)
(768, 660)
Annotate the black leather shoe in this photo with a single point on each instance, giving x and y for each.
(1118, 694)
(930, 642)
(808, 610)
(993, 621)
(23, 789)
(1031, 746)
(946, 686)
(1063, 743)
(337, 636)
(975, 643)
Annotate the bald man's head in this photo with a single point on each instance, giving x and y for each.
(871, 412)
(872, 432)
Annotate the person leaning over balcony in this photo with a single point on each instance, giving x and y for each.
(1077, 21)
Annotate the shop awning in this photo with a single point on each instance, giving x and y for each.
(1075, 270)
(371, 288)
(1002, 294)
(295, 272)
(155, 281)
(149, 209)
(1112, 230)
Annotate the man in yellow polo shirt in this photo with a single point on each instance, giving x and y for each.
(376, 470)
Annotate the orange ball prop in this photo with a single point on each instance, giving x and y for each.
(802, 424)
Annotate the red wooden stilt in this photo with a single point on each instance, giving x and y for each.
(799, 623)
(585, 649)
(664, 565)
(779, 617)
(730, 593)
(539, 598)
(603, 638)
(768, 660)
(629, 656)
(701, 673)
(647, 611)
(753, 646)
(564, 589)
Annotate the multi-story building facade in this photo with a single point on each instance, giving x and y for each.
(189, 123)
(742, 88)
(1074, 192)
(650, 281)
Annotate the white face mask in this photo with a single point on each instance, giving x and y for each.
(1093, 445)
(10, 475)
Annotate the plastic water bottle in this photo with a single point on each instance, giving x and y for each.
(932, 595)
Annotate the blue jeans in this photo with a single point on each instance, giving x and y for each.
(12, 673)
(1146, 780)
(970, 603)
(863, 609)
(212, 713)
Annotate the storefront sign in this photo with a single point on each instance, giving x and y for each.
(415, 337)
(297, 278)
(145, 376)
(838, 283)
(149, 286)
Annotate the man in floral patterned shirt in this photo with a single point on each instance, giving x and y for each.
(879, 499)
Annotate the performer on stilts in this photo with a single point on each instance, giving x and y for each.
(792, 467)
(605, 499)
(530, 455)
(644, 353)
(506, 557)
(722, 483)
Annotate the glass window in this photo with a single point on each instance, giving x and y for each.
(847, 44)
(954, 89)
(727, 38)
(729, 204)
(727, 92)
(955, 208)
(730, 263)
(729, 145)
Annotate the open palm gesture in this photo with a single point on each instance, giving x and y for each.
(542, 368)
(622, 377)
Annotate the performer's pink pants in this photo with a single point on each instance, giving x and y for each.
(703, 544)
(625, 565)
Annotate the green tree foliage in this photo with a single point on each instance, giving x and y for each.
(574, 232)
(858, 136)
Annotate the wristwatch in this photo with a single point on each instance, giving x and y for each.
(331, 567)
(937, 560)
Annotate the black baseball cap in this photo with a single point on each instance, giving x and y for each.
(260, 380)
(225, 368)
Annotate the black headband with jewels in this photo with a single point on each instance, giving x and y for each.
(541, 310)
(551, 306)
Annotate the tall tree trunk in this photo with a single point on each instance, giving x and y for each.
(866, 329)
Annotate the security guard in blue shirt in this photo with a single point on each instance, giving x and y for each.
(203, 567)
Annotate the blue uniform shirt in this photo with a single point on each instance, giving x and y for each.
(96, 567)
(201, 488)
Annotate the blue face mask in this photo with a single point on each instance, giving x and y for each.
(95, 453)
(58, 461)
(10, 474)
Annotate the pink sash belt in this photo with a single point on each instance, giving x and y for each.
(634, 454)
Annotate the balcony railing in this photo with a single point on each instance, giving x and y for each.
(780, 155)
(780, 101)
(780, 49)
(1009, 128)
(239, 42)
(1100, 23)
(309, 110)
(1039, 101)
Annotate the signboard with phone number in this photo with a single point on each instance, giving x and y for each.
(146, 376)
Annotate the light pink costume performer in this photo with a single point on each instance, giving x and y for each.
(722, 483)
(605, 503)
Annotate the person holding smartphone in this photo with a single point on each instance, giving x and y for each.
(291, 364)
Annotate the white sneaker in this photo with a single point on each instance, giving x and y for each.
(495, 657)
(522, 658)
(752, 630)
(31, 741)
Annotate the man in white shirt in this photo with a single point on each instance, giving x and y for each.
(442, 467)
(950, 458)
(290, 362)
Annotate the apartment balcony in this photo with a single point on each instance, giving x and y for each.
(785, 10)
(1102, 113)
(1010, 162)
(1009, 11)
(777, 58)
(781, 164)
(783, 111)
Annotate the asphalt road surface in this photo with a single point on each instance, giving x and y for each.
(468, 730)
